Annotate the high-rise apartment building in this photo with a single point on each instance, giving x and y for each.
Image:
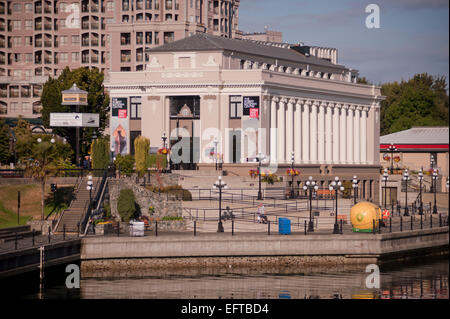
(39, 38)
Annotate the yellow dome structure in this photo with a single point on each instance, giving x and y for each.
(362, 216)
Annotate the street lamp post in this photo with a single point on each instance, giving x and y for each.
(89, 187)
(215, 150)
(355, 182)
(434, 178)
(392, 149)
(385, 179)
(406, 178)
(220, 184)
(420, 177)
(292, 173)
(259, 159)
(311, 186)
(164, 140)
(336, 185)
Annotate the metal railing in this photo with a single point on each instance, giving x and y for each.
(98, 199)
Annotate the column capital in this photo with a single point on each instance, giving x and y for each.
(275, 99)
(292, 101)
(331, 104)
(316, 103)
(366, 108)
(283, 100)
(300, 102)
(346, 106)
(323, 104)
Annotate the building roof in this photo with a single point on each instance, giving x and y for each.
(207, 42)
(418, 136)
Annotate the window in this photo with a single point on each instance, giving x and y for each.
(17, 25)
(139, 38)
(125, 69)
(125, 5)
(63, 57)
(28, 24)
(148, 37)
(125, 38)
(26, 107)
(75, 56)
(17, 7)
(169, 37)
(110, 6)
(17, 41)
(135, 107)
(14, 107)
(235, 107)
(75, 39)
(156, 37)
(29, 57)
(28, 7)
(125, 56)
(63, 39)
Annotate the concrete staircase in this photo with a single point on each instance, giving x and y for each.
(73, 215)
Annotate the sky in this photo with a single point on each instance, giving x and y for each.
(413, 36)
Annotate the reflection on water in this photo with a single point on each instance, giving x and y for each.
(425, 280)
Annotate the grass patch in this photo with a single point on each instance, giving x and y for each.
(30, 202)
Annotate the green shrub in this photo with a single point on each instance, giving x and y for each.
(100, 153)
(125, 164)
(142, 148)
(126, 205)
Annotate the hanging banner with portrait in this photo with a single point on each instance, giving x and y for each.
(119, 126)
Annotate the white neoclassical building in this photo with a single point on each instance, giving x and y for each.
(228, 100)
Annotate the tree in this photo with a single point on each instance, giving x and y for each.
(142, 149)
(45, 152)
(126, 204)
(90, 80)
(421, 101)
(100, 153)
(4, 142)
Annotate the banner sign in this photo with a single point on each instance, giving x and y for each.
(74, 120)
(117, 104)
(251, 103)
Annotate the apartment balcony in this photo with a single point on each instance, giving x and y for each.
(47, 10)
(94, 8)
(84, 8)
(38, 9)
(85, 60)
(94, 25)
(94, 60)
(38, 43)
(125, 59)
(94, 43)
(48, 26)
(85, 42)
(2, 27)
(48, 61)
(38, 26)
(48, 43)
(85, 25)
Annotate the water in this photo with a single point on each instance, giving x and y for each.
(417, 280)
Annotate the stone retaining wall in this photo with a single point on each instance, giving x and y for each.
(144, 198)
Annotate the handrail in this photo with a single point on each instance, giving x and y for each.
(99, 195)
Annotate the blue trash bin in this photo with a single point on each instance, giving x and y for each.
(284, 226)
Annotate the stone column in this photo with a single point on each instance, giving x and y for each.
(343, 135)
(273, 130)
(281, 132)
(329, 133)
(350, 134)
(364, 135)
(298, 131)
(290, 129)
(306, 136)
(357, 135)
(336, 133)
(321, 132)
(313, 132)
